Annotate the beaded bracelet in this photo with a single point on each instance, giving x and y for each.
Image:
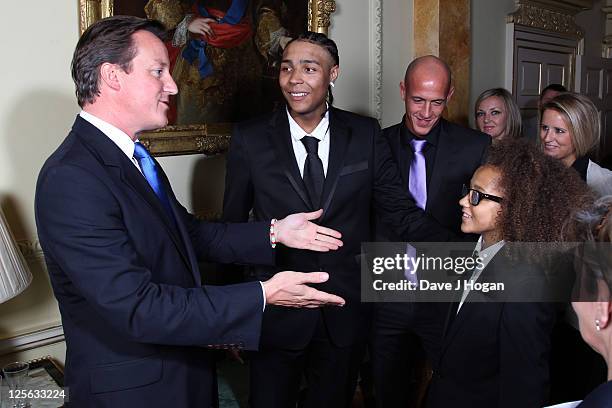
(273, 233)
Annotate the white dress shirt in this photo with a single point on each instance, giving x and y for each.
(321, 132)
(119, 137)
(485, 255)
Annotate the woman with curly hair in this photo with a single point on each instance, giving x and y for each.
(497, 114)
(569, 131)
(496, 354)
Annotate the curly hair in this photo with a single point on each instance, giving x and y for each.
(540, 193)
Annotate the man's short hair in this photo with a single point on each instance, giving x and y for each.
(107, 40)
(327, 44)
(553, 87)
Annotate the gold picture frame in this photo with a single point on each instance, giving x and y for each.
(206, 138)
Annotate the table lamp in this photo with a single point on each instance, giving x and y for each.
(15, 275)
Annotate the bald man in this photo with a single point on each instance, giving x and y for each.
(435, 158)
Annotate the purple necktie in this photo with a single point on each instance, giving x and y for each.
(410, 273)
(418, 177)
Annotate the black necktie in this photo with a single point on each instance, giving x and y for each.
(314, 177)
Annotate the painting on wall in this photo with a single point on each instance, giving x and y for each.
(224, 58)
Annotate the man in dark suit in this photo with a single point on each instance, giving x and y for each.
(305, 157)
(435, 158)
(122, 253)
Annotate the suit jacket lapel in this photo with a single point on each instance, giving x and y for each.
(181, 229)
(403, 153)
(340, 137)
(112, 157)
(131, 176)
(487, 275)
(280, 136)
(176, 230)
(445, 155)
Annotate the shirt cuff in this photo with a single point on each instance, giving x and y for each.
(263, 292)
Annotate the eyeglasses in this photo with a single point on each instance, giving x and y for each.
(475, 196)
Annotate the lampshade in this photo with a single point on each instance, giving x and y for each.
(15, 275)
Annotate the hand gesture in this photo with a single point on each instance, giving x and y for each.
(296, 231)
(289, 289)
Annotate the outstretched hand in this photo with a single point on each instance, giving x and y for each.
(290, 289)
(297, 231)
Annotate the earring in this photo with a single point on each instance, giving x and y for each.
(332, 84)
(597, 325)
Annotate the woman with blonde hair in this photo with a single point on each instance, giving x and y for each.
(569, 131)
(497, 115)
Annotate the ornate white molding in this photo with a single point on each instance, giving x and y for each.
(376, 56)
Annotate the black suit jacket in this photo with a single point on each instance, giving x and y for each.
(600, 397)
(495, 352)
(136, 320)
(263, 175)
(459, 152)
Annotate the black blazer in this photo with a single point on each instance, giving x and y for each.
(263, 175)
(460, 151)
(136, 320)
(600, 397)
(495, 353)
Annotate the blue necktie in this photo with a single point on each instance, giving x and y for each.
(149, 170)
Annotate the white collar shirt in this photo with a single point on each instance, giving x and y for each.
(485, 256)
(117, 136)
(321, 132)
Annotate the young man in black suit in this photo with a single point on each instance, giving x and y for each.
(435, 158)
(311, 155)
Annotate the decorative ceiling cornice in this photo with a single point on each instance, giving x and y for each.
(550, 15)
(571, 7)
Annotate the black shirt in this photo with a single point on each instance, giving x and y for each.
(580, 165)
